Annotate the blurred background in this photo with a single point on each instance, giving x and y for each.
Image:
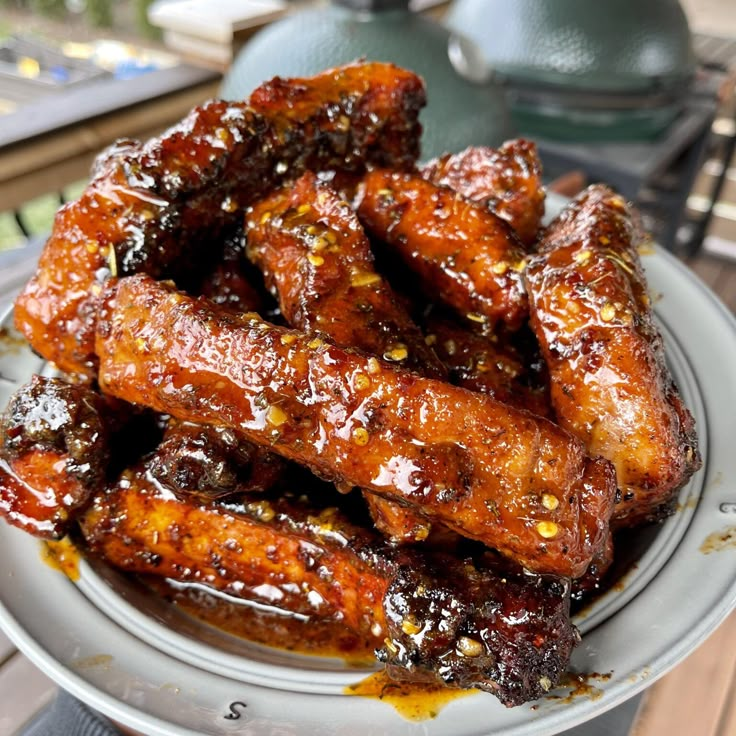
(641, 96)
(637, 93)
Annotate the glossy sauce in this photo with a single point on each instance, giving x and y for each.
(265, 624)
(62, 555)
(281, 630)
(720, 540)
(414, 701)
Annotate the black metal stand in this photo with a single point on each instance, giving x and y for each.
(658, 175)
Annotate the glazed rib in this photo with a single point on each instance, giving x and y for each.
(212, 462)
(507, 180)
(440, 620)
(228, 283)
(151, 207)
(609, 380)
(507, 478)
(317, 260)
(483, 363)
(54, 454)
(465, 255)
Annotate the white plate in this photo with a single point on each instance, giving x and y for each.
(143, 665)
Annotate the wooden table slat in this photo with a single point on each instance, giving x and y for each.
(24, 691)
(690, 700)
(727, 725)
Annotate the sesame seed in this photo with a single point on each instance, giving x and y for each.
(361, 436)
(264, 511)
(315, 260)
(475, 317)
(545, 683)
(604, 240)
(430, 340)
(450, 347)
(608, 312)
(469, 647)
(582, 256)
(361, 381)
(373, 366)
(397, 353)
(547, 529)
(112, 261)
(500, 268)
(92, 246)
(302, 209)
(265, 217)
(421, 534)
(314, 344)
(288, 339)
(410, 627)
(276, 416)
(549, 501)
(364, 278)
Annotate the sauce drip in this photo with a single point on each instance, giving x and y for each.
(62, 555)
(718, 541)
(267, 625)
(413, 701)
(579, 685)
(11, 342)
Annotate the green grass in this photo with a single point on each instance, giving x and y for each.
(37, 216)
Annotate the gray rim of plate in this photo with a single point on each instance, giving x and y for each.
(145, 673)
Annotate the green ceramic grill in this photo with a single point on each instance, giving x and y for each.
(580, 70)
(459, 113)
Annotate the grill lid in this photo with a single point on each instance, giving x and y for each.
(630, 46)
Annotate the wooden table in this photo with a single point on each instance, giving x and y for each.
(48, 144)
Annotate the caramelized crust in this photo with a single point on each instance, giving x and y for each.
(465, 255)
(317, 260)
(508, 180)
(343, 118)
(227, 283)
(483, 363)
(212, 462)
(54, 454)
(276, 550)
(505, 477)
(609, 379)
(438, 619)
(151, 207)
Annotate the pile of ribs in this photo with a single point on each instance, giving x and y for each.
(292, 359)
